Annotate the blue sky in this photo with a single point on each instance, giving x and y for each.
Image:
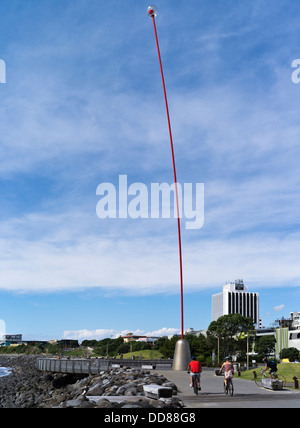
(83, 104)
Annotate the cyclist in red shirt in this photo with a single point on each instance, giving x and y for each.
(196, 370)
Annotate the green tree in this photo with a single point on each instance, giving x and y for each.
(198, 346)
(265, 345)
(228, 331)
(159, 343)
(90, 343)
(168, 347)
(291, 353)
(114, 344)
(124, 348)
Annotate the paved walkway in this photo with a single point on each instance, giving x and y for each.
(246, 393)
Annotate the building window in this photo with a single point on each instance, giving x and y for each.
(248, 308)
(255, 308)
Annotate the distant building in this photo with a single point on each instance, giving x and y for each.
(130, 337)
(67, 343)
(148, 339)
(195, 332)
(295, 318)
(12, 339)
(294, 331)
(287, 335)
(235, 299)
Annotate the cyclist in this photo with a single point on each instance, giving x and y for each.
(196, 369)
(228, 370)
(271, 366)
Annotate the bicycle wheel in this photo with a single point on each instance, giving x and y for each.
(225, 388)
(195, 385)
(230, 387)
(282, 378)
(258, 380)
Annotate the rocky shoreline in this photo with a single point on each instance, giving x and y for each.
(26, 387)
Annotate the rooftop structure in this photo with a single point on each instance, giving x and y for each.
(235, 299)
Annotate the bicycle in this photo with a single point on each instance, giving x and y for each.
(267, 375)
(195, 379)
(228, 388)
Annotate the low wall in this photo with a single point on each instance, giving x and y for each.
(95, 365)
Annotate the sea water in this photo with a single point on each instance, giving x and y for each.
(5, 371)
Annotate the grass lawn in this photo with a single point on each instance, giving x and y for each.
(288, 370)
(147, 355)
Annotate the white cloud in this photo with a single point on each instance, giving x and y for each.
(85, 334)
(278, 308)
(239, 143)
(139, 262)
(163, 332)
(99, 334)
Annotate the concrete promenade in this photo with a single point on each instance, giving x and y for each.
(246, 393)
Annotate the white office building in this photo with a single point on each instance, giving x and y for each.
(295, 318)
(235, 299)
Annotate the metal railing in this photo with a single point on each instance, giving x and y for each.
(95, 365)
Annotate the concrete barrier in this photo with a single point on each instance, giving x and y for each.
(96, 365)
(273, 384)
(157, 391)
